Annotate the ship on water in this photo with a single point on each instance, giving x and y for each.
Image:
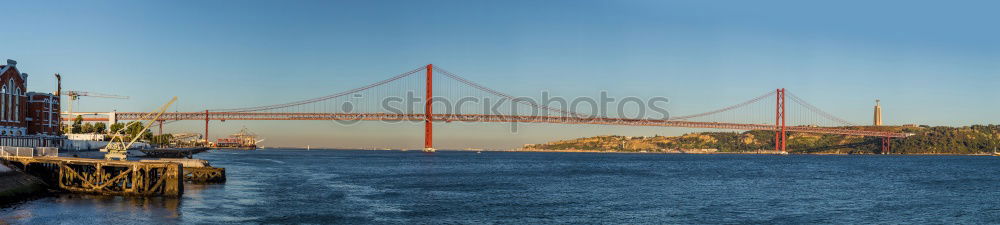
(243, 140)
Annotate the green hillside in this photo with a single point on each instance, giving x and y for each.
(975, 139)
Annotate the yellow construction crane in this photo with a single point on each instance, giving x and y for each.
(75, 95)
(118, 147)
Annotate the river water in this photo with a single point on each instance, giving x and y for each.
(352, 187)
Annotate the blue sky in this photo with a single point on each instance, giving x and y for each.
(931, 63)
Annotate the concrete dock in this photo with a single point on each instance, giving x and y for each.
(41, 167)
(106, 177)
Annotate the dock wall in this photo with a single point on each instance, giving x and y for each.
(15, 185)
(103, 176)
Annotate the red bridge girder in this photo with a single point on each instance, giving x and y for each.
(223, 116)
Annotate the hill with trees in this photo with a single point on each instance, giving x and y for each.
(976, 139)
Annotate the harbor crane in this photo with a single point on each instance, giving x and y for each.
(75, 95)
(117, 148)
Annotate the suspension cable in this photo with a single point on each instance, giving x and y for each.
(506, 96)
(816, 110)
(751, 101)
(307, 101)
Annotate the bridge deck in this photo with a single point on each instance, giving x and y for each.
(222, 116)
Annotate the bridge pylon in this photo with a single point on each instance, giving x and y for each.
(428, 111)
(886, 145)
(206, 128)
(780, 138)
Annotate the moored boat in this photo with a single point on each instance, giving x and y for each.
(244, 140)
(172, 152)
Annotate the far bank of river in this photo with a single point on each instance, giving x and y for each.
(694, 151)
(701, 151)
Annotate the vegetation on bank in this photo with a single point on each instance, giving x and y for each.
(977, 139)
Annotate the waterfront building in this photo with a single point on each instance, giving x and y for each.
(43, 114)
(28, 119)
(12, 99)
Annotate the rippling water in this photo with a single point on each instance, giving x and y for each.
(296, 186)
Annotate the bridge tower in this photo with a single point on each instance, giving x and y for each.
(886, 145)
(206, 128)
(428, 110)
(779, 122)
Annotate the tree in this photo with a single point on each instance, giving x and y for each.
(100, 127)
(115, 127)
(133, 129)
(148, 135)
(163, 139)
(87, 128)
(76, 128)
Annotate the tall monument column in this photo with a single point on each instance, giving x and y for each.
(878, 114)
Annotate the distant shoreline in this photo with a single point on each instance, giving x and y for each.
(737, 153)
(765, 152)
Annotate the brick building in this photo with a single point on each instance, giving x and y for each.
(12, 100)
(26, 118)
(43, 114)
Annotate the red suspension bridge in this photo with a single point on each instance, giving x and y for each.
(368, 103)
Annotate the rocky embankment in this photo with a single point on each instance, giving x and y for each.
(15, 185)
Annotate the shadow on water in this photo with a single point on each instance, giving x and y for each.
(125, 208)
(164, 208)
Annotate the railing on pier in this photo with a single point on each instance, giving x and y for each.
(9, 151)
(31, 141)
